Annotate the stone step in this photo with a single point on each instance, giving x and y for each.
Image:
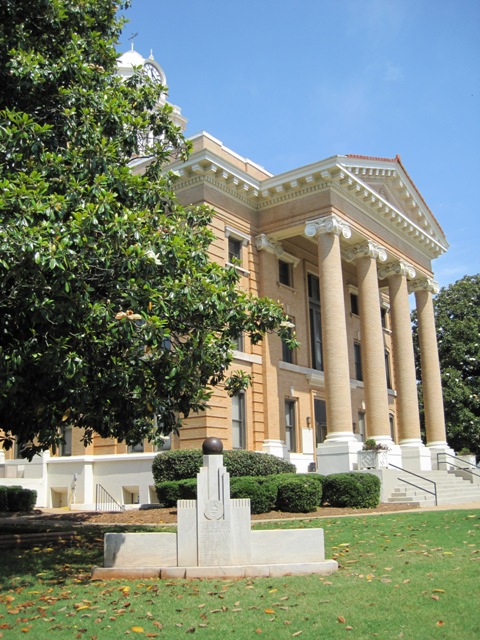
(451, 488)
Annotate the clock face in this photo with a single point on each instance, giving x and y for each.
(152, 72)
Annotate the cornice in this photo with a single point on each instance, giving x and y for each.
(333, 173)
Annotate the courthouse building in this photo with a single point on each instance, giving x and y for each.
(345, 244)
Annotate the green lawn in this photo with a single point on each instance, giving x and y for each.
(414, 576)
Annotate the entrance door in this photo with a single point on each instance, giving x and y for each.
(320, 409)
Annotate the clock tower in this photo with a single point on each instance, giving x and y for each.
(132, 61)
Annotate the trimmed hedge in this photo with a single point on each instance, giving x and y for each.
(170, 491)
(299, 495)
(262, 492)
(355, 490)
(186, 463)
(16, 498)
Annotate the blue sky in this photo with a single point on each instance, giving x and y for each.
(289, 82)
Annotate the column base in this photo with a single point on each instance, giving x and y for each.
(415, 455)
(275, 448)
(440, 447)
(337, 456)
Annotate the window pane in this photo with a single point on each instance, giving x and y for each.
(290, 434)
(358, 361)
(238, 421)
(354, 303)
(284, 273)
(234, 249)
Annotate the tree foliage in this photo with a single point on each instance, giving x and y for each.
(457, 316)
(112, 313)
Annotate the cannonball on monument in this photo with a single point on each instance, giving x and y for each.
(212, 447)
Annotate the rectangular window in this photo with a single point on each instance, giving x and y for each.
(383, 312)
(354, 304)
(320, 409)
(357, 351)
(239, 343)
(392, 426)
(387, 370)
(361, 425)
(285, 273)
(288, 355)
(66, 446)
(315, 322)
(290, 425)
(238, 421)
(234, 249)
(136, 448)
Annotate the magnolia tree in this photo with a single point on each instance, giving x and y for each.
(114, 320)
(457, 316)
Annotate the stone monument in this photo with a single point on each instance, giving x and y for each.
(214, 539)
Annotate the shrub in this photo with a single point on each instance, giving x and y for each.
(355, 490)
(16, 498)
(186, 463)
(3, 499)
(25, 499)
(262, 492)
(168, 493)
(188, 489)
(298, 495)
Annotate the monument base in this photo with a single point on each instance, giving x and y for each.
(326, 567)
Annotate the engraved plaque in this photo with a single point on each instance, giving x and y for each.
(213, 510)
(214, 543)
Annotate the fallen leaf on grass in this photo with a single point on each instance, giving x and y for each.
(434, 597)
(341, 619)
(440, 623)
(159, 625)
(438, 591)
(297, 633)
(270, 611)
(138, 629)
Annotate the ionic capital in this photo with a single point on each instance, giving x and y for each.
(368, 249)
(329, 224)
(401, 268)
(264, 243)
(424, 284)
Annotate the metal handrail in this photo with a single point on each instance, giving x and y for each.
(433, 493)
(105, 502)
(457, 466)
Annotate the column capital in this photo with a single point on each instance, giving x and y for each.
(328, 224)
(368, 249)
(264, 243)
(397, 268)
(424, 284)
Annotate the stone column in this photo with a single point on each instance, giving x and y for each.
(334, 327)
(431, 378)
(372, 344)
(408, 418)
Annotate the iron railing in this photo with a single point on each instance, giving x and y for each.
(105, 502)
(417, 486)
(463, 465)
